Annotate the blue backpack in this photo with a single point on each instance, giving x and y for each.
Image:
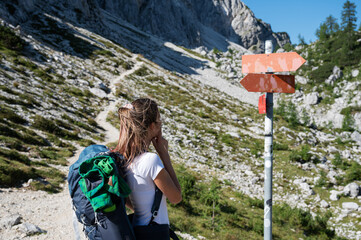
(98, 225)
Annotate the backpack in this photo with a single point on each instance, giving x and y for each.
(110, 220)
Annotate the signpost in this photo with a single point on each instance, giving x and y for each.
(269, 83)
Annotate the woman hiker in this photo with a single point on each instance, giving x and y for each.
(140, 126)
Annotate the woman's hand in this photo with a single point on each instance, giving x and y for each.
(160, 144)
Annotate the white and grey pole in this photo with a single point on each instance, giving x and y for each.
(268, 158)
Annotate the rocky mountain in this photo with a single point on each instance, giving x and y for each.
(189, 23)
(67, 63)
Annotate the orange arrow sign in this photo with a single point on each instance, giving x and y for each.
(274, 62)
(269, 83)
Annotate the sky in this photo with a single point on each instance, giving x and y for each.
(299, 16)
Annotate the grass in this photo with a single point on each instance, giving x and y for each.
(237, 216)
(54, 155)
(48, 125)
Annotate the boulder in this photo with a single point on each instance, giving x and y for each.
(30, 229)
(324, 204)
(356, 136)
(8, 222)
(352, 190)
(98, 92)
(103, 87)
(337, 72)
(350, 206)
(331, 79)
(301, 80)
(355, 73)
(311, 98)
(334, 195)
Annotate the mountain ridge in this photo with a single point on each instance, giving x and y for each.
(182, 22)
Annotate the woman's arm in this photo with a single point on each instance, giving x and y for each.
(167, 180)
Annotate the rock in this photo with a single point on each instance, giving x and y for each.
(231, 75)
(7, 222)
(98, 92)
(311, 99)
(103, 87)
(334, 195)
(357, 118)
(323, 160)
(352, 190)
(331, 79)
(337, 72)
(234, 134)
(356, 136)
(331, 174)
(301, 80)
(332, 149)
(30, 229)
(355, 73)
(350, 206)
(324, 204)
(299, 47)
(346, 154)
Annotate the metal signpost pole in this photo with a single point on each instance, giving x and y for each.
(268, 157)
(270, 83)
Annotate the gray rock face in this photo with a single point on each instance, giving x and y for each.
(190, 23)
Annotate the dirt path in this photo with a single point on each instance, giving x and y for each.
(52, 212)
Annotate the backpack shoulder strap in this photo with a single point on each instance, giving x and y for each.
(156, 204)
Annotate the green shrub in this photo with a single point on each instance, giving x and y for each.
(9, 40)
(187, 182)
(339, 163)
(323, 180)
(280, 146)
(9, 114)
(49, 126)
(298, 218)
(14, 155)
(353, 173)
(348, 121)
(12, 173)
(322, 72)
(12, 143)
(287, 110)
(301, 156)
(142, 71)
(254, 202)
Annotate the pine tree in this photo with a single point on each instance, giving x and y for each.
(321, 32)
(349, 18)
(348, 26)
(332, 25)
(327, 28)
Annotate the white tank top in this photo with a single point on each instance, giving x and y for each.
(140, 177)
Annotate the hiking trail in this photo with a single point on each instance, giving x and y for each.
(53, 212)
